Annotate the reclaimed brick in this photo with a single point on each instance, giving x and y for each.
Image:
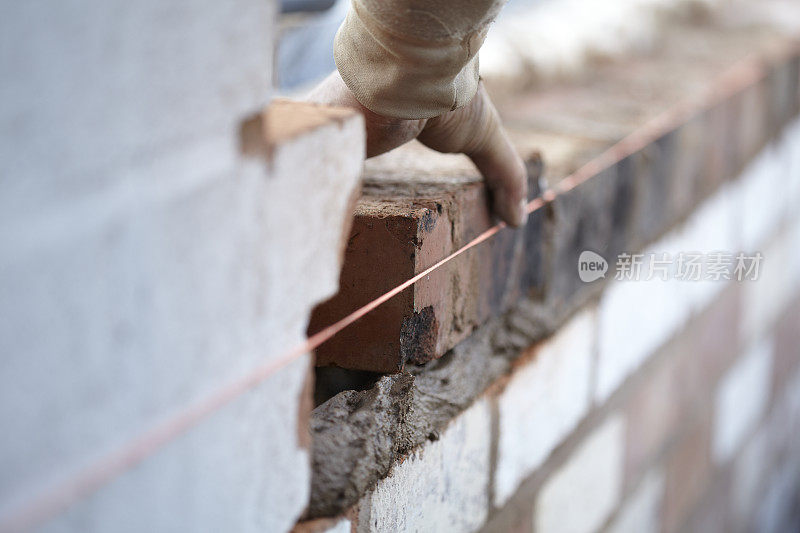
(595, 216)
(546, 397)
(582, 493)
(624, 207)
(405, 232)
(650, 169)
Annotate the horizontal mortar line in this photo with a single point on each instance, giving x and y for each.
(60, 495)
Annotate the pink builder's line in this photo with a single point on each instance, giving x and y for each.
(59, 495)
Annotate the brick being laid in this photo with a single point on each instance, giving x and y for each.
(688, 118)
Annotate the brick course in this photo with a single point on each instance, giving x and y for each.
(666, 467)
(436, 203)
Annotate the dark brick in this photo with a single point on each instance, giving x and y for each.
(721, 122)
(691, 145)
(593, 216)
(754, 128)
(650, 169)
(411, 221)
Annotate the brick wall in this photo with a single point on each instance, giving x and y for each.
(166, 235)
(147, 263)
(530, 400)
(622, 422)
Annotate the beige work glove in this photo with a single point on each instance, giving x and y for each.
(474, 130)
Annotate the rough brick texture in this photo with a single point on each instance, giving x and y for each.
(162, 285)
(625, 406)
(443, 486)
(401, 229)
(419, 206)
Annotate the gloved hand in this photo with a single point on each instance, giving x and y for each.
(474, 130)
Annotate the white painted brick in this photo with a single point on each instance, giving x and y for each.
(90, 92)
(635, 318)
(543, 402)
(761, 193)
(641, 512)
(766, 298)
(579, 496)
(712, 227)
(126, 319)
(741, 400)
(769, 190)
(241, 470)
(441, 487)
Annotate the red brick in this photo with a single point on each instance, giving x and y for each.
(395, 237)
(409, 219)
